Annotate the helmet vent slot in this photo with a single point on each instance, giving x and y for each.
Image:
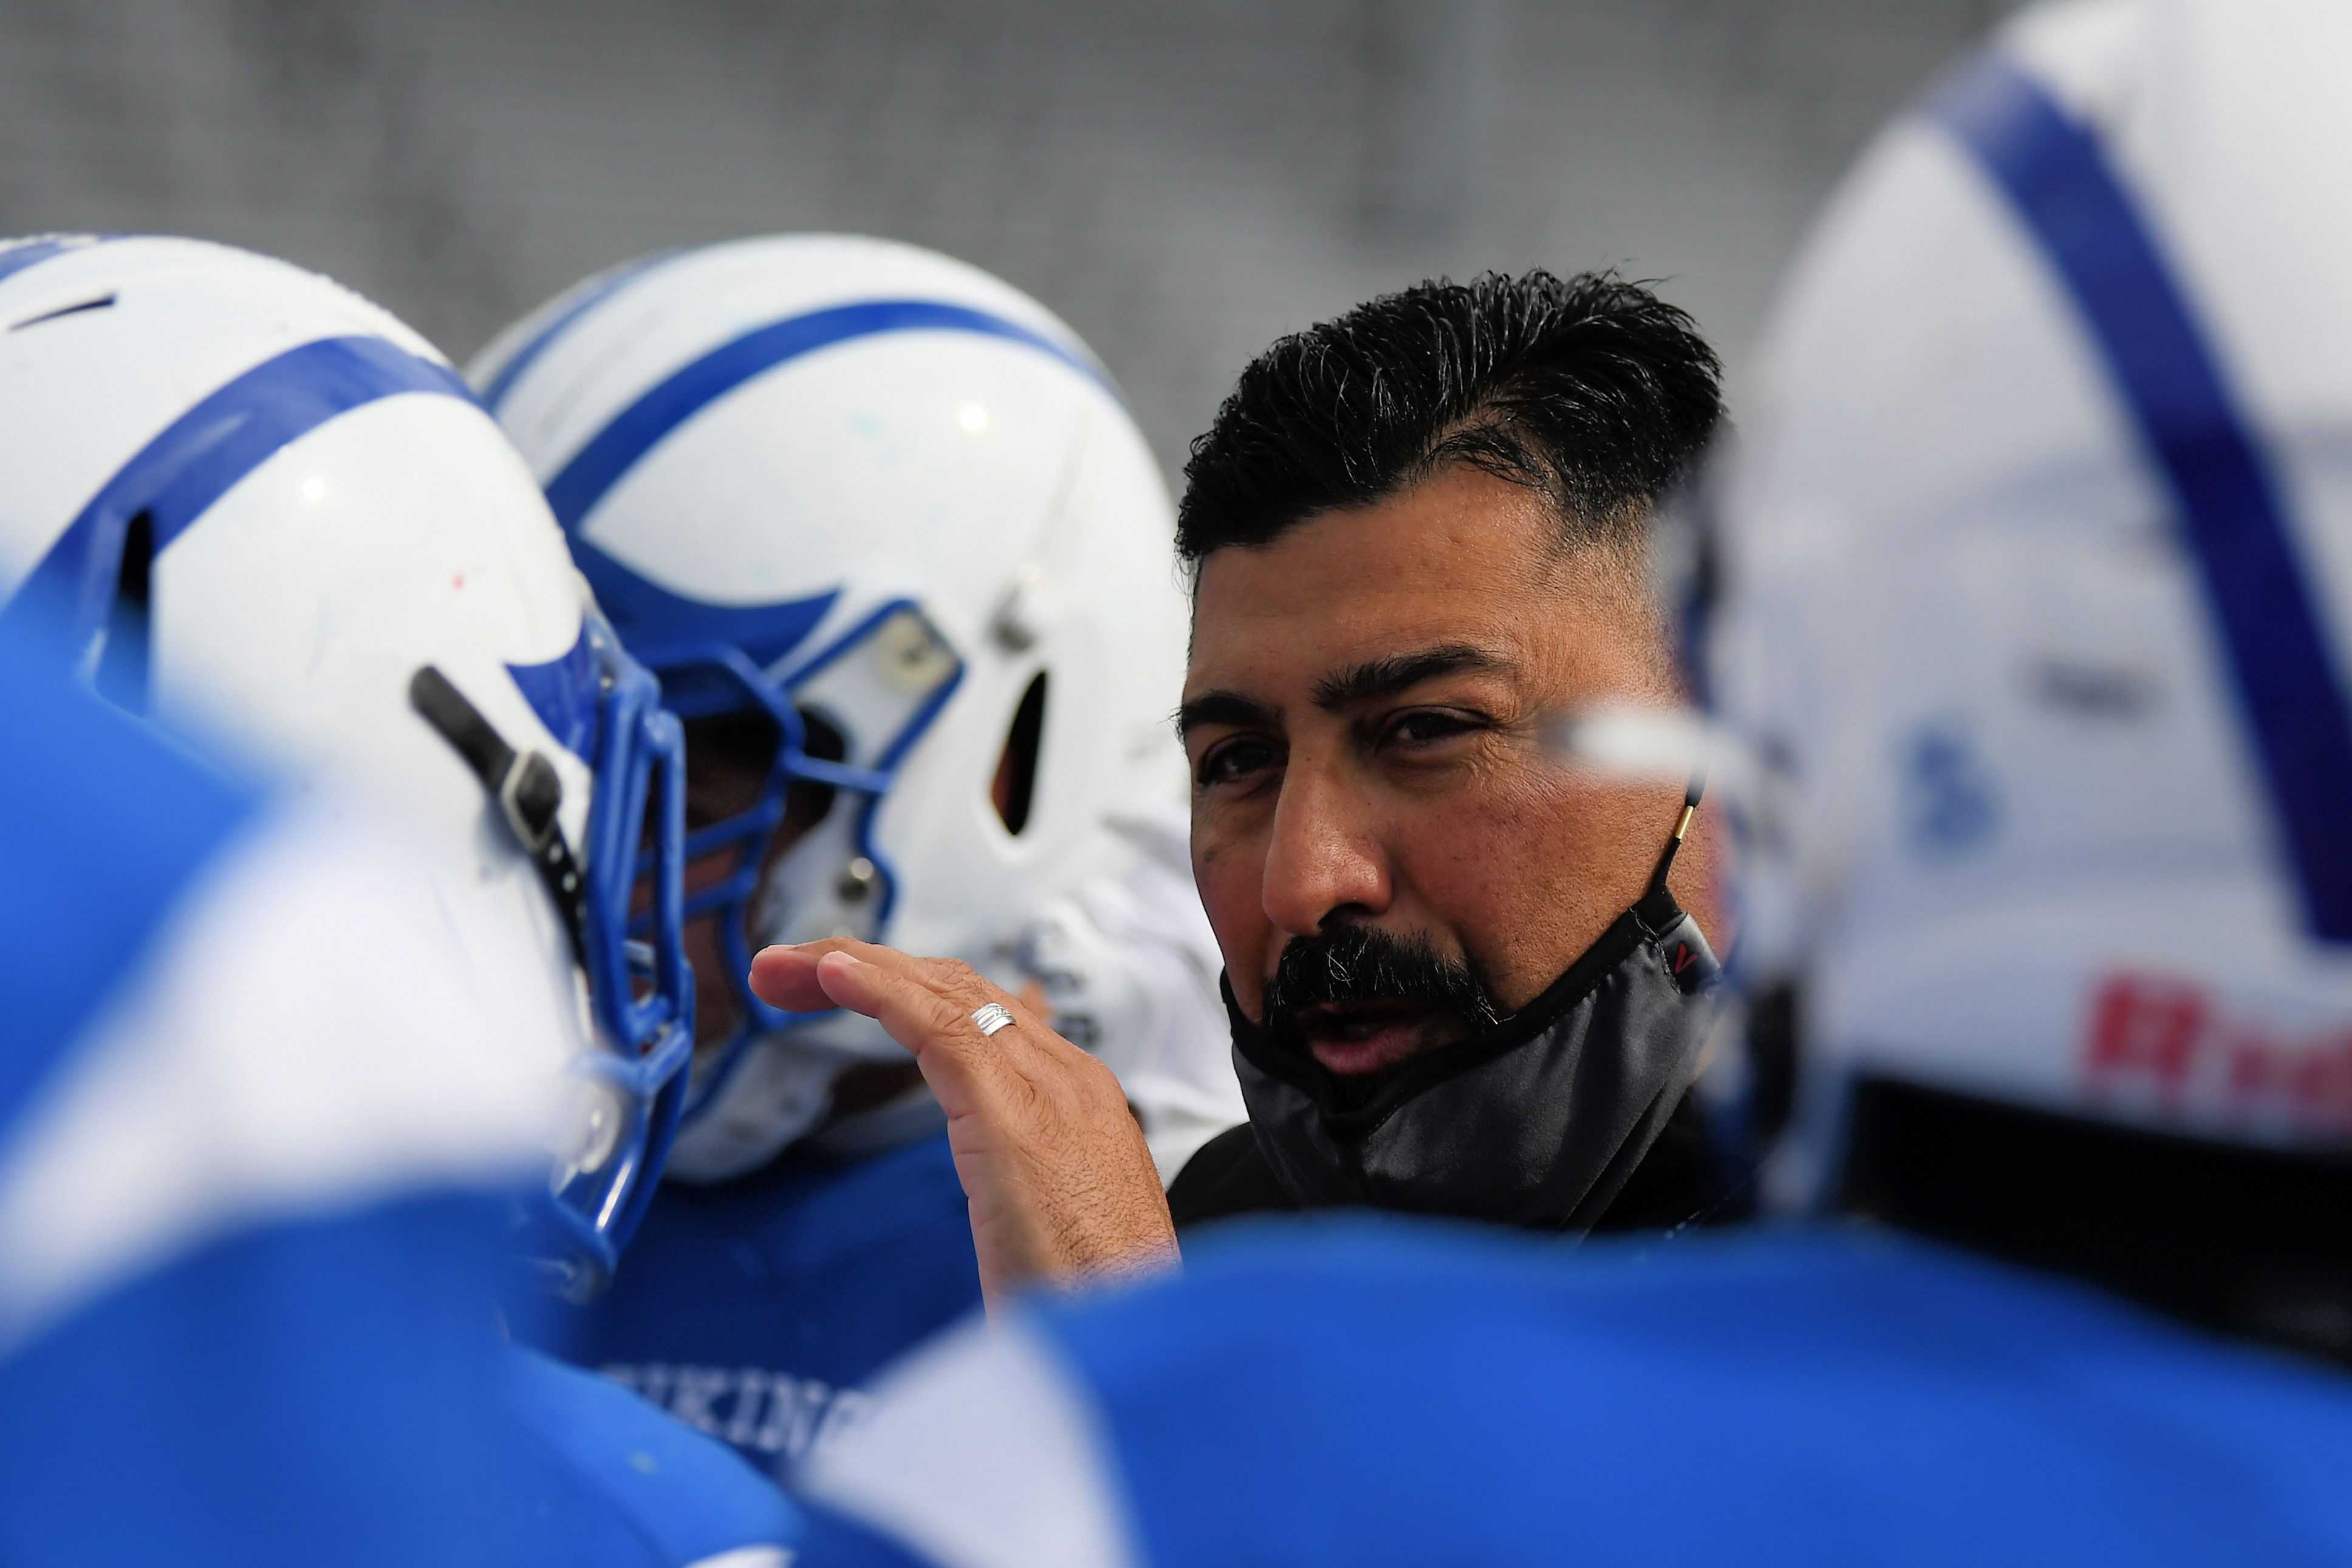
(101, 303)
(1015, 785)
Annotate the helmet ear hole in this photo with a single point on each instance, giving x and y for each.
(1014, 787)
(123, 659)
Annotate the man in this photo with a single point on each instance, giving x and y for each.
(1460, 976)
(899, 557)
(2031, 608)
(257, 506)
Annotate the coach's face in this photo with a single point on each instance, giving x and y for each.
(1363, 714)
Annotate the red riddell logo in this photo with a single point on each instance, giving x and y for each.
(2149, 1031)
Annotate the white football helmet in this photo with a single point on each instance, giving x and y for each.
(262, 506)
(856, 490)
(2031, 591)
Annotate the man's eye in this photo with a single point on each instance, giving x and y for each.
(1426, 727)
(1235, 761)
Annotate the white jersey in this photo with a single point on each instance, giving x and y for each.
(1128, 968)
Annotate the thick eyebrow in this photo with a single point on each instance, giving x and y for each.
(1224, 708)
(1386, 677)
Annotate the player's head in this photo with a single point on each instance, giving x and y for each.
(902, 562)
(260, 506)
(2029, 591)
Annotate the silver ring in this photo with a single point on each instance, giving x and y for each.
(991, 1018)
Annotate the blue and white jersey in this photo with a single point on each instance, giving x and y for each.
(605, 1481)
(1372, 1394)
(255, 1166)
(259, 1164)
(756, 1310)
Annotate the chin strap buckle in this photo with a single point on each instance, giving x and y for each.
(525, 785)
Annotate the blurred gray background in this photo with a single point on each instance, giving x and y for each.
(1183, 181)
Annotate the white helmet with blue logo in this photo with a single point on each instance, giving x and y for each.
(250, 503)
(892, 510)
(2032, 591)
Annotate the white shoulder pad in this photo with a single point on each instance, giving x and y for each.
(981, 1452)
(303, 1039)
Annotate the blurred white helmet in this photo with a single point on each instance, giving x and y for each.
(263, 508)
(2032, 591)
(889, 512)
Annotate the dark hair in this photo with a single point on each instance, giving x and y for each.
(1590, 388)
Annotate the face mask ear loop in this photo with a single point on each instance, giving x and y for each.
(1674, 840)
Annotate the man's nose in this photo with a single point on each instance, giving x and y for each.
(1324, 857)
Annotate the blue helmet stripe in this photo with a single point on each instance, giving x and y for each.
(2292, 693)
(562, 692)
(655, 621)
(202, 456)
(597, 466)
(594, 292)
(19, 257)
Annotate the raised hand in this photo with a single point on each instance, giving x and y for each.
(1061, 1185)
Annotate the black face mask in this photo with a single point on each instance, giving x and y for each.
(1535, 1120)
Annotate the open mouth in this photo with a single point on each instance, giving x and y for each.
(1360, 1037)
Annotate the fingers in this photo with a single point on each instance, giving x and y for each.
(785, 976)
(909, 1011)
(924, 1004)
(792, 977)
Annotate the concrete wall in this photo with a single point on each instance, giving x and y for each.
(1184, 180)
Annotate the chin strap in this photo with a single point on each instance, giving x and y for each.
(528, 790)
(1682, 827)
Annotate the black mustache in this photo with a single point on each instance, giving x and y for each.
(1361, 964)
